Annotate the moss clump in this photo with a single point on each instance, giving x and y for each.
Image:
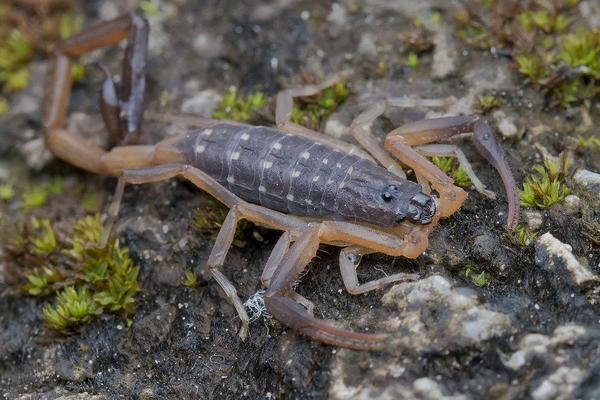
(73, 307)
(311, 111)
(522, 236)
(451, 167)
(43, 243)
(593, 142)
(209, 220)
(487, 103)
(41, 282)
(557, 57)
(190, 279)
(236, 107)
(37, 195)
(86, 273)
(547, 186)
(7, 192)
(479, 280)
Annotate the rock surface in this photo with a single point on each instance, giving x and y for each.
(488, 318)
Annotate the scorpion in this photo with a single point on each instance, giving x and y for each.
(314, 188)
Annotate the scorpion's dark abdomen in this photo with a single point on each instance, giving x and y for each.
(282, 172)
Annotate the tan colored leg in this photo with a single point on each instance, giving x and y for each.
(280, 302)
(452, 150)
(350, 258)
(360, 129)
(283, 114)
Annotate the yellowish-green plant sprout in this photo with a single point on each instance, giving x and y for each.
(4, 108)
(40, 282)
(480, 279)
(209, 220)
(73, 307)
(190, 279)
(34, 197)
(487, 103)
(451, 167)
(7, 192)
(546, 186)
(311, 111)
(43, 243)
(150, 7)
(15, 53)
(412, 59)
(522, 236)
(87, 232)
(593, 142)
(235, 107)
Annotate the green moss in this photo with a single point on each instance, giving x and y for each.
(209, 220)
(15, 53)
(593, 142)
(546, 186)
(106, 277)
(7, 192)
(235, 107)
(150, 7)
(73, 307)
(480, 279)
(4, 107)
(451, 167)
(487, 103)
(37, 195)
(69, 25)
(43, 242)
(311, 111)
(412, 59)
(40, 282)
(190, 279)
(522, 236)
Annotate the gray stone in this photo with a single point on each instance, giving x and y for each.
(202, 104)
(533, 219)
(551, 253)
(572, 205)
(560, 385)
(588, 179)
(457, 317)
(506, 125)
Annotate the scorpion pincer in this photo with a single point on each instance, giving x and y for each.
(312, 187)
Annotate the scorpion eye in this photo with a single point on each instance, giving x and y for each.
(392, 188)
(387, 197)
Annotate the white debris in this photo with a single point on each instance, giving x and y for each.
(506, 125)
(560, 385)
(202, 104)
(256, 306)
(549, 250)
(572, 204)
(462, 319)
(534, 219)
(535, 343)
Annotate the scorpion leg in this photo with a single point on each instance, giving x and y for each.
(350, 258)
(283, 115)
(238, 209)
(400, 140)
(280, 302)
(454, 151)
(70, 147)
(360, 129)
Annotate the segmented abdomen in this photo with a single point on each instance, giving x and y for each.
(265, 166)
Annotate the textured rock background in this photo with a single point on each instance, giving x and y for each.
(532, 332)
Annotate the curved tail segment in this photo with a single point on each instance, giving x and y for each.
(487, 145)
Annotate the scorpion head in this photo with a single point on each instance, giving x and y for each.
(412, 205)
